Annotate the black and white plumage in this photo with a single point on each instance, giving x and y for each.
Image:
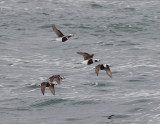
(105, 67)
(51, 84)
(88, 58)
(90, 61)
(61, 36)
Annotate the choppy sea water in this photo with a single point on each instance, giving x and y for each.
(119, 32)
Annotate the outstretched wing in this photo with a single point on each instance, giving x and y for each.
(51, 79)
(58, 80)
(86, 55)
(43, 86)
(58, 32)
(51, 87)
(108, 71)
(97, 69)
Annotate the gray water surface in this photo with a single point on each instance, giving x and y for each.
(119, 32)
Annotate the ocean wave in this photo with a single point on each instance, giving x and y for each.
(49, 102)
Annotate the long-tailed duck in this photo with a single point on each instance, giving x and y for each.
(105, 67)
(60, 35)
(88, 58)
(53, 80)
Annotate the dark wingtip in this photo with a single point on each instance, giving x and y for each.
(96, 73)
(42, 93)
(110, 75)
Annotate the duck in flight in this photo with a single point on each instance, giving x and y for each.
(88, 58)
(61, 36)
(105, 67)
(51, 84)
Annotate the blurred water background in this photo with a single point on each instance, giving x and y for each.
(124, 33)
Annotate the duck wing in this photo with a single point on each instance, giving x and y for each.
(51, 78)
(108, 71)
(58, 80)
(58, 32)
(86, 55)
(51, 87)
(43, 86)
(97, 69)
